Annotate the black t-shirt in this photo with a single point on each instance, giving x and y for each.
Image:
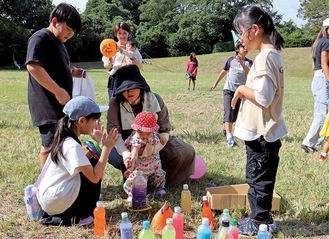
(45, 49)
(323, 45)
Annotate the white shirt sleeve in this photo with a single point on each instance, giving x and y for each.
(264, 91)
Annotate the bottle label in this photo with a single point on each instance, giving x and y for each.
(139, 197)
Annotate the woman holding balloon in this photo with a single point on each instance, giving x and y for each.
(115, 57)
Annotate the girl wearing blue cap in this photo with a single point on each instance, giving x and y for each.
(71, 184)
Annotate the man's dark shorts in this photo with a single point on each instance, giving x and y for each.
(47, 133)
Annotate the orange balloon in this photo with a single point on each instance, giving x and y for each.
(108, 48)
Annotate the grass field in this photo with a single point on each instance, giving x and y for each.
(196, 116)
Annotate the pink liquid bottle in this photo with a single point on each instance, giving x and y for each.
(178, 219)
(233, 229)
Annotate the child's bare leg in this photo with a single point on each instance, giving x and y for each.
(188, 83)
(325, 148)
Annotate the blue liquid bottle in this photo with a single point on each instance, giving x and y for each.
(204, 230)
(126, 227)
(263, 232)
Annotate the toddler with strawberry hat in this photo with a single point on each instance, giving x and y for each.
(145, 144)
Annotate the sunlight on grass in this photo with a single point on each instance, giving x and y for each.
(196, 117)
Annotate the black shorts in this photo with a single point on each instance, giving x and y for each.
(47, 133)
(191, 76)
(230, 114)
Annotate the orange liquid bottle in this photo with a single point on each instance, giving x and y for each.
(99, 219)
(206, 212)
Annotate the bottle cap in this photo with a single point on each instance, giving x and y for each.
(185, 186)
(99, 203)
(234, 222)
(263, 227)
(205, 198)
(169, 221)
(124, 215)
(225, 223)
(177, 209)
(205, 221)
(226, 211)
(146, 224)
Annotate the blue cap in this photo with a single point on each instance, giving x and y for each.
(82, 106)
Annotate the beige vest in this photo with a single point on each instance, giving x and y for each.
(255, 117)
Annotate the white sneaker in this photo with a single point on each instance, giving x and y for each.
(86, 221)
(130, 199)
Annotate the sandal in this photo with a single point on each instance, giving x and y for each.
(308, 149)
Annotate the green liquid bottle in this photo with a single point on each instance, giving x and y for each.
(169, 231)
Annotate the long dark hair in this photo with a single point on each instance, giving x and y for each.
(191, 56)
(322, 33)
(120, 25)
(64, 129)
(255, 15)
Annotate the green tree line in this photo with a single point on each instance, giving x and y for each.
(163, 28)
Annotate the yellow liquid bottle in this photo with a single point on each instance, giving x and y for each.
(186, 203)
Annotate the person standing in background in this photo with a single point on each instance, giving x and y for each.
(121, 32)
(50, 77)
(192, 70)
(320, 88)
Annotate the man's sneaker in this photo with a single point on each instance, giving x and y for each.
(308, 149)
(230, 142)
(322, 158)
(86, 221)
(249, 227)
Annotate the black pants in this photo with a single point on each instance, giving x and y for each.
(262, 164)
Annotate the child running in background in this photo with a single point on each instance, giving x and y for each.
(192, 70)
(237, 68)
(132, 53)
(145, 145)
(260, 123)
(71, 185)
(325, 133)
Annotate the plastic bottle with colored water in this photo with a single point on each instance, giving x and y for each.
(233, 229)
(204, 230)
(126, 227)
(263, 232)
(99, 219)
(186, 202)
(169, 232)
(206, 212)
(178, 222)
(224, 231)
(139, 191)
(146, 232)
(225, 216)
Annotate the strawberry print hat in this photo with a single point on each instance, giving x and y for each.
(146, 122)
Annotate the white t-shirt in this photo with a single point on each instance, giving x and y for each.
(60, 186)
